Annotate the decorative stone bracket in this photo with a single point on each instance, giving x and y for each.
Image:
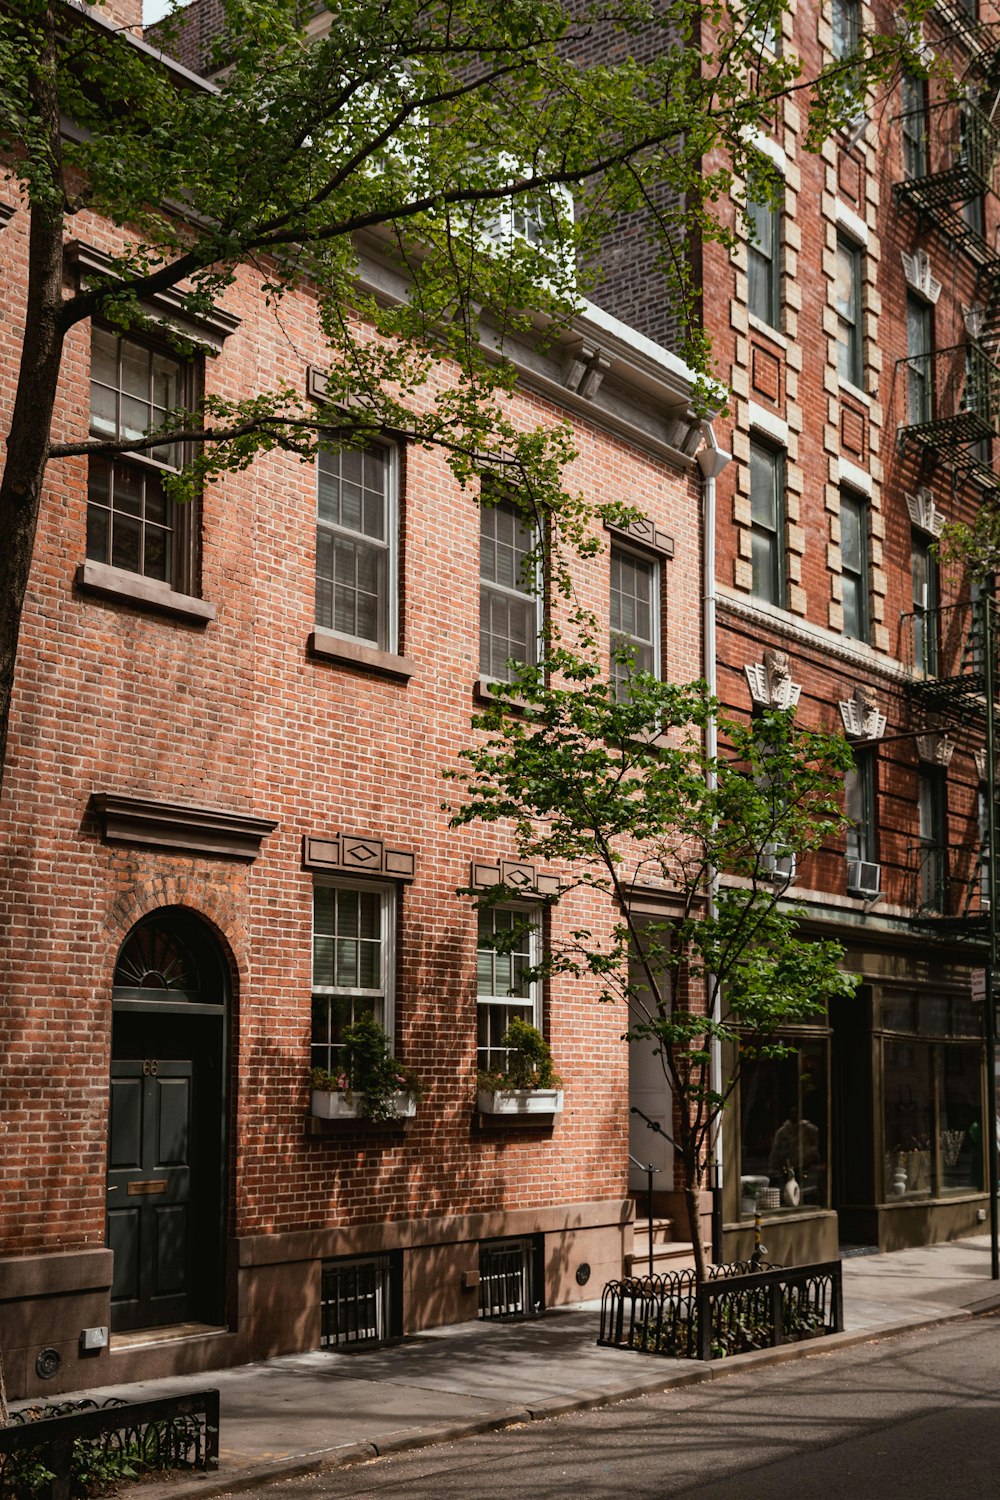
(584, 371)
(861, 717)
(770, 681)
(646, 533)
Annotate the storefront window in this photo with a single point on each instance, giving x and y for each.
(933, 1118)
(783, 1130)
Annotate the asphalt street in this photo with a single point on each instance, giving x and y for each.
(916, 1416)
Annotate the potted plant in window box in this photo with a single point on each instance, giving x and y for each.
(372, 1085)
(529, 1084)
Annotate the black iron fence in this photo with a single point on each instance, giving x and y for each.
(737, 1309)
(78, 1448)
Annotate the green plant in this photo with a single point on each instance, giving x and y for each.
(529, 1061)
(370, 1075)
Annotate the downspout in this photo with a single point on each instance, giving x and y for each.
(712, 460)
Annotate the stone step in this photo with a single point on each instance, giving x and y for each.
(676, 1255)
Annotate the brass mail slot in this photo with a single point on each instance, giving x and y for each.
(151, 1185)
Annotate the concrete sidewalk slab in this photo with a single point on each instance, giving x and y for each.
(311, 1411)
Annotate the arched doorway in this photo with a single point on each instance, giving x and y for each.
(167, 1131)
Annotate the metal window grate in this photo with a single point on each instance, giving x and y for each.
(509, 1279)
(356, 1302)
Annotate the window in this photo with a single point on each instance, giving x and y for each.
(925, 605)
(918, 352)
(508, 947)
(635, 612)
(983, 814)
(510, 597)
(356, 543)
(860, 805)
(783, 1127)
(353, 929)
(845, 19)
(854, 564)
(764, 262)
(933, 1116)
(932, 816)
(847, 296)
(131, 523)
(914, 126)
(767, 515)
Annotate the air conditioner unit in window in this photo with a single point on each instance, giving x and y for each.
(863, 878)
(777, 865)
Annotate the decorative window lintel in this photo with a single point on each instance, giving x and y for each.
(207, 329)
(357, 854)
(515, 874)
(919, 276)
(936, 748)
(924, 514)
(646, 533)
(770, 681)
(169, 825)
(861, 715)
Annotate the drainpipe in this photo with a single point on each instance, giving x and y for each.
(712, 460)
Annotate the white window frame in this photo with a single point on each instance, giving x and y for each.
(384, 998)
(392, 473)
(656, 587)
(511, 1003)
(536, 594)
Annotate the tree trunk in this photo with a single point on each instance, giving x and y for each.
(41, 357)
(691, 1197)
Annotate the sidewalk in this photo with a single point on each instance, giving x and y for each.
(310, 1411)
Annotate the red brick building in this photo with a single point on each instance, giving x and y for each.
(856, 332)
(222, 831)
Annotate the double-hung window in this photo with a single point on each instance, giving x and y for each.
(767, 515)
(931, 812)
(925, 604)
(764, 262)
(509, 944)
(845, 19)
(356, 543)
(847, 295)
(635, 617)
(860, 805)
(914, 125)
(919, 377)
(510, 591)
(353, 943)
(131, 522)
(854, 564)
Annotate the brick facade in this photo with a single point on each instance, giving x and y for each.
(189, 725)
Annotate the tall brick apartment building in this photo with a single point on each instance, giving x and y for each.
(856, 330)
(222, 824)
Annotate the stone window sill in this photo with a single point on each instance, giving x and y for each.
(329, 647)
(142, 593)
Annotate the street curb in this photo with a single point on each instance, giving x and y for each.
(251, 1477)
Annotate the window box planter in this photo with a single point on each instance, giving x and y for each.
(518, 1102)
(330, 1105)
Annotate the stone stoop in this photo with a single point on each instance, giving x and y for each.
(668, 1254)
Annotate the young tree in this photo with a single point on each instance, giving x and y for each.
(619, 791)
(442, 134)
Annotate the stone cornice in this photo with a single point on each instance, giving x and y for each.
(859, 657)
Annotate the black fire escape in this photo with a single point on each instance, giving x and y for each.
(950, 152)
(951, 416)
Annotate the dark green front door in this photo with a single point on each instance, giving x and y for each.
(150, 1191)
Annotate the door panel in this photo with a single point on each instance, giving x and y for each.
(149, 1189)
